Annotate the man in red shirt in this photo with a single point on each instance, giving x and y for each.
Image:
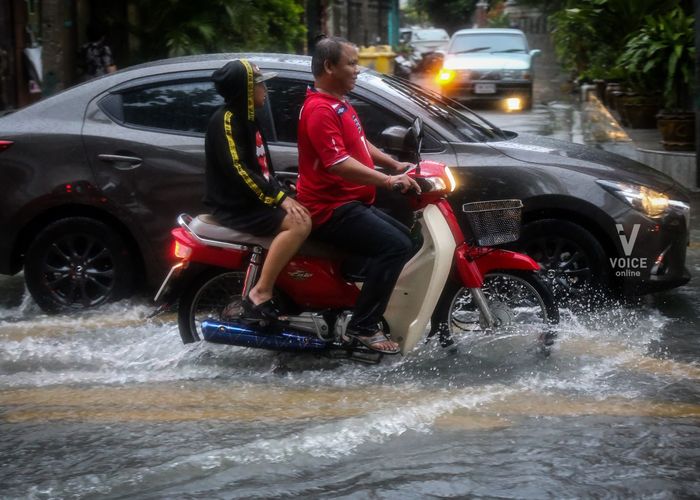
(337, 184)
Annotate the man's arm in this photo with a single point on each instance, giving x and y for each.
(354, 171)
(382, 159)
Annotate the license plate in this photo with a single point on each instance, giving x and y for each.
(484, 88)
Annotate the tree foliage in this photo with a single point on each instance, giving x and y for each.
(589, 35)
(169, 28)
(448, 14)
(662, 56)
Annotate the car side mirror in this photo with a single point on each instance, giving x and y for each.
(404, 142)
(535, 52)
(397, 139)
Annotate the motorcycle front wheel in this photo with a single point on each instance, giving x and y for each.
(520, 302)
(212, 295)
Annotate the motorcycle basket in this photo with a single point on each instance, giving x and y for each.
(494, 222)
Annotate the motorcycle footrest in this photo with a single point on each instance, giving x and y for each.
(359, 354)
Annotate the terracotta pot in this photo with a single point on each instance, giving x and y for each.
(640, 111)
(616, 104)
(677, 130)
(609, 89)
(600, 89)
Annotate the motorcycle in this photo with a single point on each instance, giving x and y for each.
(452, 285)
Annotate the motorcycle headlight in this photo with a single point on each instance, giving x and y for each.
(646, 200)
(433, 184)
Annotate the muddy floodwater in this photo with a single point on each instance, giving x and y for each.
(108, 404)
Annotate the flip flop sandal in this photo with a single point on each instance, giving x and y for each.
(371, 341)
(267, 310)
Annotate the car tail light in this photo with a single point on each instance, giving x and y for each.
(5, 145)
(181, 251)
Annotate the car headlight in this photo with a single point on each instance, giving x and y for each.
(644, 199)
(451, 178)
(445, 76)
(515, 74)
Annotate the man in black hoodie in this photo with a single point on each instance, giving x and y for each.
(240, 183)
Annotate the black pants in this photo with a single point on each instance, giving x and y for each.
(384, 241)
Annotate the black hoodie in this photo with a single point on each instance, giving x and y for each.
(235, 184)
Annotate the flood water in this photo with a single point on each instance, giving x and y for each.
(109, 404)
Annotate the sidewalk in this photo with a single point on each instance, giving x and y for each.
(644, 145)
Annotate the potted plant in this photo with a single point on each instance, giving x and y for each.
(662, 55)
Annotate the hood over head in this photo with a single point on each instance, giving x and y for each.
(235, 81)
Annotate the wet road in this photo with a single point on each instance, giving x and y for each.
(108, 404)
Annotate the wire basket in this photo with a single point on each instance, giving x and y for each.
(494, 222)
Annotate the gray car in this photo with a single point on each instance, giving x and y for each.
(95, 176)
(489, 65)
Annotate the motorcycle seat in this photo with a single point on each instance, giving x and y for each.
(206, 226)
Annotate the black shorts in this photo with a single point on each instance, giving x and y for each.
(263, 221)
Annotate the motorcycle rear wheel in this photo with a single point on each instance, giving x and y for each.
(207, 297)
(520, 302)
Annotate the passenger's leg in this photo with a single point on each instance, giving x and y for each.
(287, 242)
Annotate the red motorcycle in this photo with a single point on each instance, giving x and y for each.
(452, 285)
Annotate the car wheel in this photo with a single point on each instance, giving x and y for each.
(574, 263)
(76, 263)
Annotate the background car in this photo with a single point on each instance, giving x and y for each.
(488, 65)
(427, 46)
(95, 176)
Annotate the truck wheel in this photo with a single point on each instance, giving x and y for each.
(76, 263)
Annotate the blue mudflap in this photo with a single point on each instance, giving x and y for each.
(276, 338)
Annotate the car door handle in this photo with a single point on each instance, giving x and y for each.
(121, 162)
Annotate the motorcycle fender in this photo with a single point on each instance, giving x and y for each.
(474, 263)
(176, 282)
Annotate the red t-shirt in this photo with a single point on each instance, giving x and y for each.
(329, 132)
(262, 157)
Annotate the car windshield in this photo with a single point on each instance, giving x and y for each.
(464, 122)
(425, 35)
(487, 42)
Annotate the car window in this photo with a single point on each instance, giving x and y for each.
(285, 98)
(487, 43)
(424, 35)
(375, 119)
(467, 124)
(175, 106)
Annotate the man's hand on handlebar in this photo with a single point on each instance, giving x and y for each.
(402, 183)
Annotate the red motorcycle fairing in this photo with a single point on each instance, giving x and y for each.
(318, 281)
(228, 258)
(473, 263)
